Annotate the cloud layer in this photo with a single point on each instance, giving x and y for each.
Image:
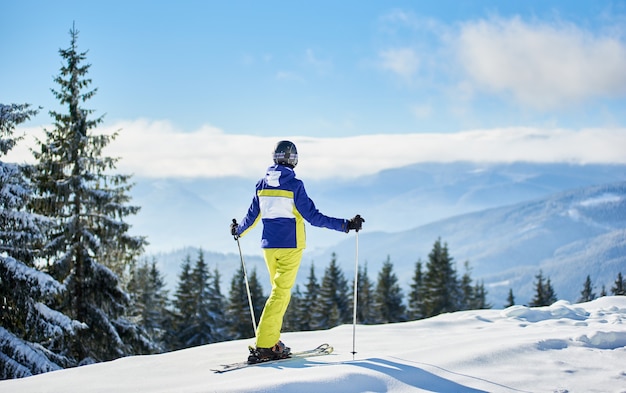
(540, 65)
(158, 149)
(544, 66)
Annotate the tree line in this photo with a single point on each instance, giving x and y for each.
(199, 313)
(545, 294)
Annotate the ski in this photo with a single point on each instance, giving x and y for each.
(323, 349)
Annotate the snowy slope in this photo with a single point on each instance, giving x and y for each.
(561, 348)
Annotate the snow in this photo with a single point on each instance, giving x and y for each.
(561, 348)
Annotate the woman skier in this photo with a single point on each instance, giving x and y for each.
(282, 204)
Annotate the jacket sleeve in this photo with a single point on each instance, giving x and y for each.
(309, 212)
(251, 218)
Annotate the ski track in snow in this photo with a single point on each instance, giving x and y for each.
(562, 348)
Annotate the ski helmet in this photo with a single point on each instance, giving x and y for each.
(285, 153)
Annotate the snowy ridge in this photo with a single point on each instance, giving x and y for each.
(561, 348)
(568, 235)
(177, 213)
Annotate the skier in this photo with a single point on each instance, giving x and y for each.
(282, 204)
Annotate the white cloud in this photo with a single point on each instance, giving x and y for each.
(158, 149)
(401, 61)
(542, 65)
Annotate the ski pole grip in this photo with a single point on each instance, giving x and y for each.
(234, 234)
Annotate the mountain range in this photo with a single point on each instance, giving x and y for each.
(509, 221)
(566, 236)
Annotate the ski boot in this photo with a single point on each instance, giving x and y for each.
(278, 351)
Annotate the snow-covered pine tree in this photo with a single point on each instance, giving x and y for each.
(20, 231)
(332, 306)
(415, 305)
(587, 294)
(388, 296)
(87, 204)
(441, 289)
(32, 335)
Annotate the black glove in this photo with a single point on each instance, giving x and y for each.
(233, 229)
(356, 223)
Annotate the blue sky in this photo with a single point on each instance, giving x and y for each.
(330, 73)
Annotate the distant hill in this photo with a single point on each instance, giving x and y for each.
(567, 235)
(177, 213)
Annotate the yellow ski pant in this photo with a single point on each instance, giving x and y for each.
(282, 265)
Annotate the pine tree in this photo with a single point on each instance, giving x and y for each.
(388, 296)
(510, 299)
(21, 231)
(258, 298)
(619, 286)
(149, 300)
(201, 325)
(291, 321)
(238, 309)
(87, 204)
(33, 336)
(309, 300)
(416, 306)
(332, 308)
(550, 294)
(198, 304)
(603, 292)
(544, 292)
(183, 306)
(217, 307)
(479, 297)
(467, 290)
(441, 288)
(366, 304)
(540, 296)
(587, 295)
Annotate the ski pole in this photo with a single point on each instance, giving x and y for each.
(356, 286)
(245, 277)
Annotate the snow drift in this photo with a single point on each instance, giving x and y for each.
(561, 348)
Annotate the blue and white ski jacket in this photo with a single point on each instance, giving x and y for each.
(282, 203)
